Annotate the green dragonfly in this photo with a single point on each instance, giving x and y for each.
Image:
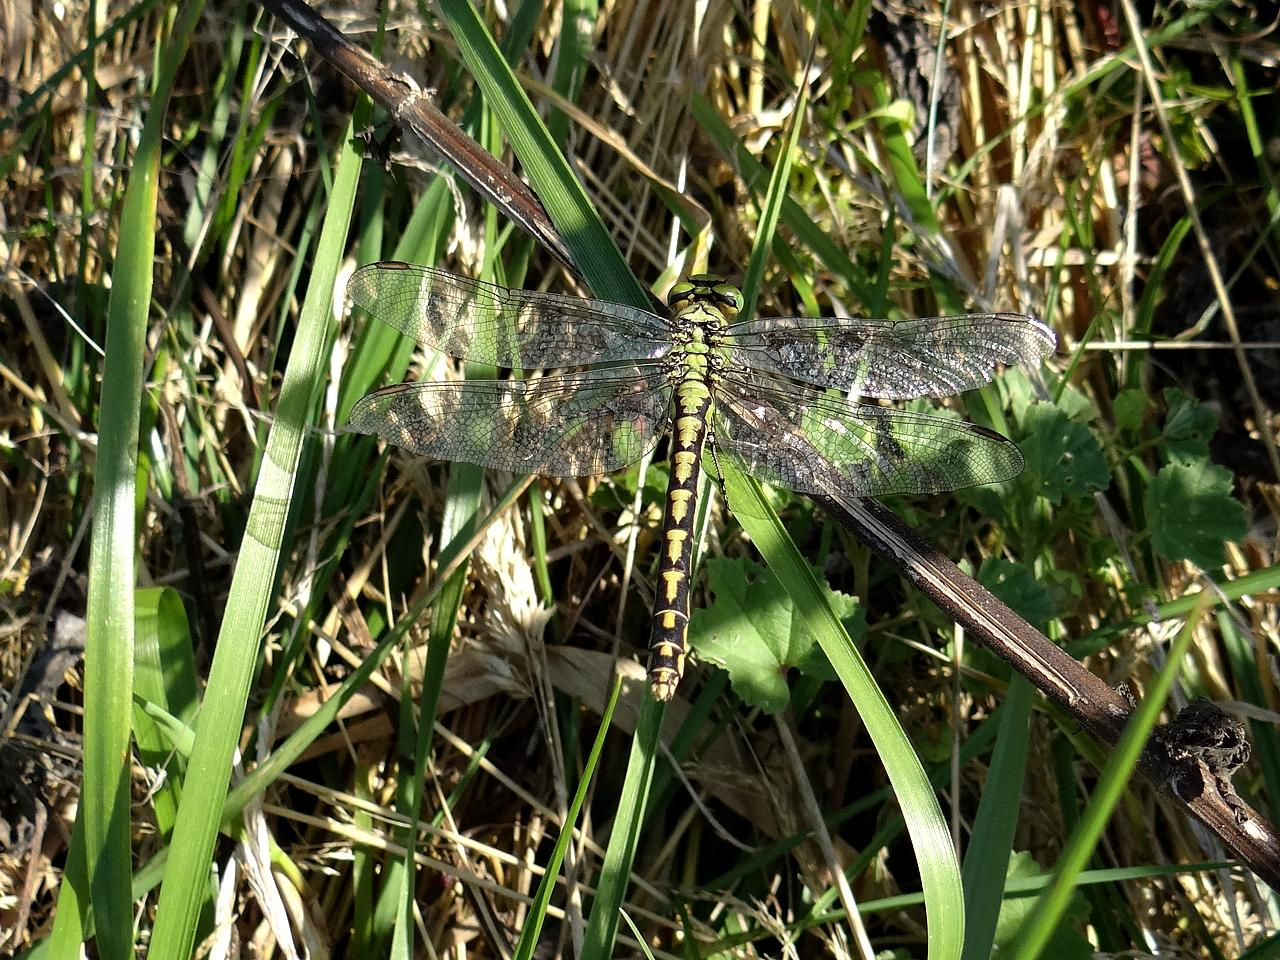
(776, 397)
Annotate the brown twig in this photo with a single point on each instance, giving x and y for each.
(1086, 698)
(413, 109)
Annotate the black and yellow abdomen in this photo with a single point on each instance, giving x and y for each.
(701, 307)
(671, 601)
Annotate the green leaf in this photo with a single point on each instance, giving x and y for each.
(1188, 427)
(1016, 585)
(1025, 398)
(1063, 457)
(751, 629)
(1076, 404)
(1191, 512)
(1131, 409)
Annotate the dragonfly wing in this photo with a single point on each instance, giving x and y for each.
(573, 425)
(507, 328)
(894, 359)
(813, 442)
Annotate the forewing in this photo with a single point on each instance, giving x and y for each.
(562, 426)
(795, 437)
(893, 359)
(487, 323)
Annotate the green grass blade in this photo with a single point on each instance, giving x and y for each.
(466, 484)
(774, 199)
(611, 890)
(1052, 904)
(935, 856)
(110, 616)
(904, 172)
(72, 924)
(572, 61)
(991, 841)
(252, 587)
(542, 899)
(166, 677)
(594, 251)
(752, 171)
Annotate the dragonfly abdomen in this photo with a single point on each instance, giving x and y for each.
(671, 604)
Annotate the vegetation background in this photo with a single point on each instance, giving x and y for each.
(1109, 167)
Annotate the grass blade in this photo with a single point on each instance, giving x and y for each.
(594, 251)
(1052, 903)
(987, 858)
(110, 616)
(252, 587)
(538, 910)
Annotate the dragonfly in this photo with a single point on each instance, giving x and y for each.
(597, 384)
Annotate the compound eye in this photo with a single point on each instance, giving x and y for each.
(679, 293)
(730, 296)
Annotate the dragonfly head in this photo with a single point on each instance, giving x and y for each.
(709, 289)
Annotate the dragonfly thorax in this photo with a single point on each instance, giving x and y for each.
(702, 308)
(698, 331)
